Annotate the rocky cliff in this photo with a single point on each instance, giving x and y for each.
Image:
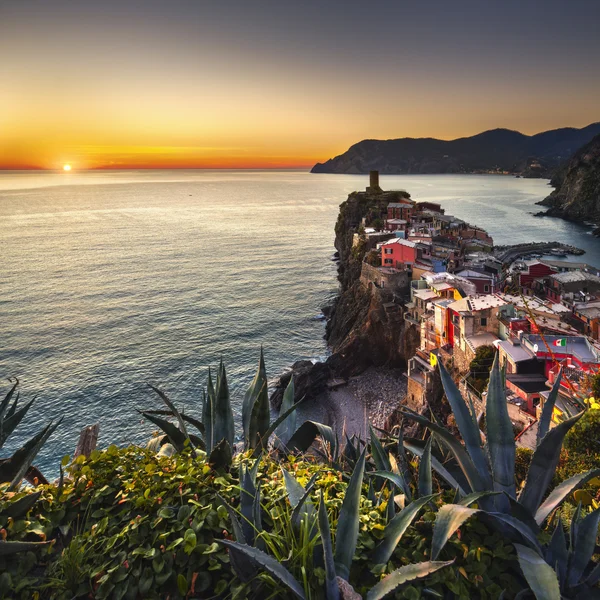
(577, 187)
(491, 151)
(365, 327)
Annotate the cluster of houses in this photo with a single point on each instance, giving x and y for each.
(544, 317)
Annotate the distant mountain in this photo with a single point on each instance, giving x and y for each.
(498, 150)
(577, 193)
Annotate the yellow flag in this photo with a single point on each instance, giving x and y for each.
(432, 359)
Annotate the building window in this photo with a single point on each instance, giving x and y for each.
(387, 261)
(388, 250)
(486, 288)
(484, 322)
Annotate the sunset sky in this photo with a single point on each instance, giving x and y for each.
(281, 83)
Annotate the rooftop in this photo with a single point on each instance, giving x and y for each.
(425, 294)
(481, 339)
(576, 346)
(400, 241)
(516, 353)
(402, 204)
(574, 277)
(483, 302)
(475, 274)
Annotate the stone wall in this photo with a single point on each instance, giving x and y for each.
(394, 280)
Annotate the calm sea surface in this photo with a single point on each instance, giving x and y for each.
(109, 280)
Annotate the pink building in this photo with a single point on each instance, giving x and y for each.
(398, 252)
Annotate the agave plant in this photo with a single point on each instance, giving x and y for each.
(489, 470)
(336, 558)
(216, 427)
(15, 468)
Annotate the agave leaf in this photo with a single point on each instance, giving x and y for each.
(395, 478)
(457, 449)
(270, 565)
(257, 518)
(543, 464)
(247, 495)
(220, 457)
(260, 419)
(175, 435)
(348, 521)
(437, 466)
(287, 427)
(425, 479)
(21, 507)
(561, 492)
(574, 528)
(395, 529)
(539, 574)
(594, 577)
(475, 497)
(254, 470)
(12, 421)
(208, 413)
(235, 522)
(13, 469)
(299, 497)
(350, 453)
(306, 434)
(449, 518)
(5, 402)
(191, 420)
(262, 443)
(224, 428)
(500, 439)
(403, 575)
(468, 430)
(252, 394)
(172, 408)
(557, 553)
(332, 590)
(7, 548)
(380, 457)
(546, 416)
(305, 509)
(403, 463)
(584, 547)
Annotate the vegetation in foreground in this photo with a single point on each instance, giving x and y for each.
(407, 518)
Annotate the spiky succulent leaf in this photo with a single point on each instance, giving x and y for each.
(208, 413)
(252, 394)
(548, 409)
(270, 565)
(287, 427)
(13, 469)
(543, 465)
(332, 590)
(224, 428)
(403, 575)
(539, 574)
(6, 400)
(247, 495)
(12, 420)
(172, 408)
(257, 519)
(425, 479)
(380, 457)
(414, 447)
(307, 433)
(175, 435)
(259, 419)
(299, 498)
(585, 545)
(557, 553)
(449, 518)
(348, 522)
(395, 529)
(221, 456)
(457, 449)
(235, 522)
(561, 492)
(469, 431)
(500, 439)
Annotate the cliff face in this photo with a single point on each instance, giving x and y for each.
(496, 150)
(577, 193)
(364, 330)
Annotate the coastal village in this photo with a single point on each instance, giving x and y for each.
(469, 300)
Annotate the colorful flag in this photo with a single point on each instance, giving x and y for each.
(560, 342)
(432, 359)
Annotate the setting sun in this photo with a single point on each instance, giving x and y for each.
(66, 167)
